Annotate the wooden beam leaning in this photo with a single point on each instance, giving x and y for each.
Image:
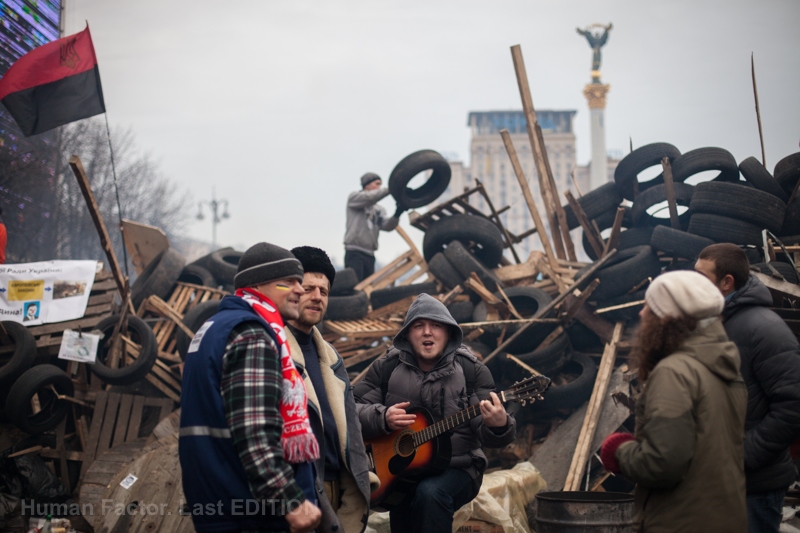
(669, 187)
(758, 110)
(613, 239)
(594, 238)
(105, 241)
(537, 148)
(541, 313)
(528, 195)
(586, 436)
(561, 215)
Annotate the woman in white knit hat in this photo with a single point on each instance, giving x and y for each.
(687, 456)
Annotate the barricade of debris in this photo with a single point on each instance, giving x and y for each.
(84, 430)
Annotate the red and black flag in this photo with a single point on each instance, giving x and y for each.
(54, 84)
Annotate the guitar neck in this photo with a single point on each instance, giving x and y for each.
(434, 430)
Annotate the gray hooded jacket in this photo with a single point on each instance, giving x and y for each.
(365, 220)
(442, 391)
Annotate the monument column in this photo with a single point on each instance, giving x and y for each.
(595, 94)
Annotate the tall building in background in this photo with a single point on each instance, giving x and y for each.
(490, 164)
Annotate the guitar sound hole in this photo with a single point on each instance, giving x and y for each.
(405, 445)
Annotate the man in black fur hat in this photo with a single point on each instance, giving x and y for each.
(343, 463)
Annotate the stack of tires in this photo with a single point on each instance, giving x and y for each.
(344, 302)
(216, 269)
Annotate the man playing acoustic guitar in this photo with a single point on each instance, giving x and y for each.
(429, 368)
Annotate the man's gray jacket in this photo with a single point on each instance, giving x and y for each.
(442, 391)
(365, 220)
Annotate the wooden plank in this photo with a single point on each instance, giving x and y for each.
(59, 327)
(123, 418)
(669, 187)
(94, 432)
(103, 443)
(541, 313)
(527, 269)
(583, 450)
(132, 431)
(528, 195)
(143, 242)
(613, 240)
(105, 241)
(537, 147)
(594, 238)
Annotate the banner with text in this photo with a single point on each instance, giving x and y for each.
(50, 291)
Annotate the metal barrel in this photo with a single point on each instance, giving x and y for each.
(574, 512)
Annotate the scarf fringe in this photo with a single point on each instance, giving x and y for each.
(298, 448)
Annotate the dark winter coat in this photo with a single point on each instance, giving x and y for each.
(771, 368)
(442, 391)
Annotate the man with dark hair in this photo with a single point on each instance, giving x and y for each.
(365, 220)
(429, 367)
(342, 467)
(687, 454)
(771, 368)
(246, 446)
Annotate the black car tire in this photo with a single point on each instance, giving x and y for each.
(481, 231)
(193, 319)
(343, 282)
(140, 333)
(787, 172)
(791, 221)
(704, 159)
(350, 307)
(383, 297)
(224, 264)
(197, 275)
(410, 166)
(445, 272)
(642, 158)
(37, 380)
(461, 311)
(526, 300)
(656, 195)
(550, 358)
(724, 229)
(594, 203)
(625, 270)
(738, 201)
(575, 393)
(466, 263)
(677, 243)
(760, 178)
(23, 356)
(158, 277)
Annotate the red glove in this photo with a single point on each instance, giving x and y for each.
(608, 451)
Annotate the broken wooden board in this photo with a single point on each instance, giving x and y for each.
(554, 456)
(143, 243)
(363, 328)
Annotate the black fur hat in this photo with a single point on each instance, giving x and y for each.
(315, 260)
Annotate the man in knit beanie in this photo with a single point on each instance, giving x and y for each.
(365, 221)
(687, 456)
(770, 357)
(246, 446)
(342, 468)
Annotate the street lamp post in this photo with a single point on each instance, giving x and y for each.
(216, 218)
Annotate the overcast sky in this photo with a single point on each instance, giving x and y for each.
(283, 105)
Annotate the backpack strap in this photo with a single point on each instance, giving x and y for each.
(470, 373)
(386, 373)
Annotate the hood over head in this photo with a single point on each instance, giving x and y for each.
(710, 345)
(752, 293)
(426, 306)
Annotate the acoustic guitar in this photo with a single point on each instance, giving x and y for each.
(405, 457)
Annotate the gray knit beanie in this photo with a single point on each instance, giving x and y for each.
(265, 262)
(368, 178)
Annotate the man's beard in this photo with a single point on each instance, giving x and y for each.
(307, 322)
(659, 338)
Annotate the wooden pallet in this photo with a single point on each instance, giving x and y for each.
(363, 328)
(182, 300)
(459, 205)
(101, 305)
(400, 267)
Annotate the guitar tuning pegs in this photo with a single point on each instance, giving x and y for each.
(540, 397)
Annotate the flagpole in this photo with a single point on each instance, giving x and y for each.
(116, 190)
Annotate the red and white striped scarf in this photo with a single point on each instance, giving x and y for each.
(297, 439)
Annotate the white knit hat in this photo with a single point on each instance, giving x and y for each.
(684, 293)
